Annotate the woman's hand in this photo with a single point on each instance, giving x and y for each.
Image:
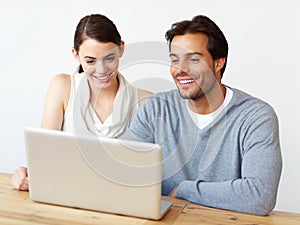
(20, 179)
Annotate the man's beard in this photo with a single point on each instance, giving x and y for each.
(195, 94)
(201, 89)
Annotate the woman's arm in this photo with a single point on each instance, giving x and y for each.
(56, 102)
(55, 105)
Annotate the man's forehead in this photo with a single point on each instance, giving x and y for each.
(184, 44)
(180, 50)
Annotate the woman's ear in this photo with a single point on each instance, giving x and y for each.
(121, 48)
(75, 54)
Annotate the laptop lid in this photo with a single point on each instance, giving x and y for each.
(96, 173)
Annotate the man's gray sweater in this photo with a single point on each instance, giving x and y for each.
(233, 163)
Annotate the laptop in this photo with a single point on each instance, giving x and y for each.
(95, 173)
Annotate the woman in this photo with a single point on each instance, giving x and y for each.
(96, 99)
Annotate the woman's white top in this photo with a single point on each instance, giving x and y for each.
(80, 117)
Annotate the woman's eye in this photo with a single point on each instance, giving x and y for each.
(90, 62)
(110, 59)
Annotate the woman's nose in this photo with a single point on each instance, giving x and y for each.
(100, 68)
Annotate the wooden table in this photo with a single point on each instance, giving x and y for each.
(17, 208)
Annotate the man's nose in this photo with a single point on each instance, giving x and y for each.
(182, 67)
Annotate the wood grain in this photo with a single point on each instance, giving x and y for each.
(16, 207)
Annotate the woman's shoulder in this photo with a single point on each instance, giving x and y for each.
(61, 82)
(143, 95)
(61, 78)
(60, 87)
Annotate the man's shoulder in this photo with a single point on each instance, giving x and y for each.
(171, 95)
(161, 101)
(173, 92)
(248, 102)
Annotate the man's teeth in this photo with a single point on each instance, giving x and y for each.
(185, 81)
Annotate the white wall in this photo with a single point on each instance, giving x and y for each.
(263, 35)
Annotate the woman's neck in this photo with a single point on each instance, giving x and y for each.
(102, 100)
(100, 95)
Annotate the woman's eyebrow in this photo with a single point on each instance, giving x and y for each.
(91, 57)
(109, 55)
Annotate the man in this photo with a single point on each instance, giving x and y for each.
(220, 145)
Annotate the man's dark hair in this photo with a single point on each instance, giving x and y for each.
(217, 44)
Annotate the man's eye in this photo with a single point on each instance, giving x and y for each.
(194, 60)
(174, 61)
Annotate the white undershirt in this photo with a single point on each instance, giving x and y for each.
(202, 120)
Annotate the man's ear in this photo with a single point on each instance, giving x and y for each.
(75, 54)
(121, 48)
(219, 63)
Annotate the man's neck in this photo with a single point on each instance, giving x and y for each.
(208, 102)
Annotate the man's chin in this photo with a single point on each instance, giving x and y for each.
(186, 95)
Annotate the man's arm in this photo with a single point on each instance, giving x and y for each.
(140, 128)
(255, 192)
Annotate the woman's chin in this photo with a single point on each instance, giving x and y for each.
(102, 86)
(101, 83)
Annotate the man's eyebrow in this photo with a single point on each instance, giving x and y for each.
(89, 57)
(193, 53)
(187, 54)
(172, 54)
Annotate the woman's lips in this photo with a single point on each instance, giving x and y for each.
(102, 78)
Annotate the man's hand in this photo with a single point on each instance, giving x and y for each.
(20, 179)
(173, 193)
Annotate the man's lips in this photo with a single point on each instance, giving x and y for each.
(185, 80)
